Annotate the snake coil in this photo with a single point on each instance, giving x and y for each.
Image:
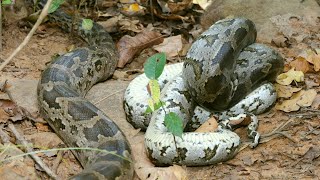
(226, 74)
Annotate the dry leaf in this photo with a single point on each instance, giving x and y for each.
(146, 170)
(42, 127)
(129, 46)
(9, 108)
(175, 7)
(129, 25)
(316, 102)
(300, 64)
(285, 91)
(111, 25)
(202, 3)
(133, 10)
(311, 82)
(4, 117)
(307, 98)
(209, 126)
(171, 46)
(288, 77)
(303, 98)
(280, 41)
(312, 57)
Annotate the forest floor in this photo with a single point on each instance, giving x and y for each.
(290, 153)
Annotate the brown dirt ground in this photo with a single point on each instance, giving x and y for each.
(293, 157)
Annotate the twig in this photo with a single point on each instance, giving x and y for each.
(104, 98)
(4, 136)
(29, 149)
(278, 129)
(27, 39)
(57, 161)
(273, 134)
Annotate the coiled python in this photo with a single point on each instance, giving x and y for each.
(78, 122)
(225, 73)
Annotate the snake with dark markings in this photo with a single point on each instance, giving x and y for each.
(78, 122)
(224, 72)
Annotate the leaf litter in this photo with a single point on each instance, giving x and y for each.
(268, 160)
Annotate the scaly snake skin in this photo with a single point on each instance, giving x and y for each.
(226, 74)
(78, 122)
(222, 72)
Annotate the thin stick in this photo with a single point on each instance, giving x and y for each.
(4, 136)
(273, 134)
(57, 161)
(27, 39)
(106, 97)
(29, 149)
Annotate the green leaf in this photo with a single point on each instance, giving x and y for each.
(174, 124)
(154, 90)
(6, 2)
(158, 105)
(153, 107)
(55, 5)
(151, 104)
(148, 110)
(87, 24)
(154, 65)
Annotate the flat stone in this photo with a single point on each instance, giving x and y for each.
(260, 12)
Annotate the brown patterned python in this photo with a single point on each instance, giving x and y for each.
(78, 122)
(226, 74)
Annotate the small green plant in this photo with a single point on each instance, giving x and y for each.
(6, 2)
(87, 24)
(153, 68)
(55, 5)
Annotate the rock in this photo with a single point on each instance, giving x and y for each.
(260, 12)
(24, 93)
(108, 96)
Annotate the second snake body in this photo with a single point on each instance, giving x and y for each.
(225, 73)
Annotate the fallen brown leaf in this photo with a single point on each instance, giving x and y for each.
(9, 108)
(285, 91)
(144, 169)
(129, 25)
(171, 46)
(4, 117)
(129, 46)
(300, 64)
(133, 10)
(312, 57)
(42, 127)
(176, 7)
(209, 126)
(303, 98)
(316, 102)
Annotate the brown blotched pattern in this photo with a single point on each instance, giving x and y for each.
(78, 122)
